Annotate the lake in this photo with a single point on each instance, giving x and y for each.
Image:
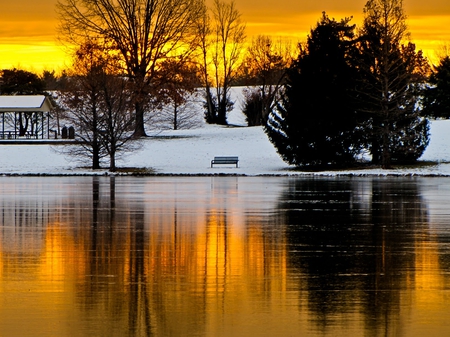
(224, 256)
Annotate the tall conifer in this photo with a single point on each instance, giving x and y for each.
(316, 122)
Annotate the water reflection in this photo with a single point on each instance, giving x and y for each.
(356, 242)
(221, 256)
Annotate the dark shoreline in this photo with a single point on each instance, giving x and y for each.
(295, 175)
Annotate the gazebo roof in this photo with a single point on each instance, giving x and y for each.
(25, 103)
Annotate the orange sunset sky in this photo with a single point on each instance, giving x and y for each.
(28, 27)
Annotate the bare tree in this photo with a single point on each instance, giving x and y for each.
(267, 62)
(179, 88)
(144, 32)
(82, 99)
(98, 102)
(176, 116)
(116, 123)
(225, 48)
(203, 31)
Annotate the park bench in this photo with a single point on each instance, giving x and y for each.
(15, 135)
(225, 160)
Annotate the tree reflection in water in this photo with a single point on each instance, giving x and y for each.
(355, 240)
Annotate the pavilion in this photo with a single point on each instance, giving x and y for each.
(36, 107)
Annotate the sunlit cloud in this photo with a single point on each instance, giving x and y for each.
(429, 33)
(32, 56)
(28, 28)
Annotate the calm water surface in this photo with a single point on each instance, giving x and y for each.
(224, 256)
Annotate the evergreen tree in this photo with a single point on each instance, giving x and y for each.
(316, 124)
(437, 95)
(391, 75)
(252, 106)
(21, 82)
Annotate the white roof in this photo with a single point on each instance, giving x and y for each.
(24, 103)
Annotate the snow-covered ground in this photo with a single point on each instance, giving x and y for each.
(191, 151)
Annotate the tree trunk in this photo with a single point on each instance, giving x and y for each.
(95, 155)
(112, 160)
(385, 155)
(375, 151)
(95, 141)
(23, 124)
(210, 109)
(139, 128)
(175, 115)
(222, 108)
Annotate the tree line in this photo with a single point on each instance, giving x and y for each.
(345, 92)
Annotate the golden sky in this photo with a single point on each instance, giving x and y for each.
(28, 27)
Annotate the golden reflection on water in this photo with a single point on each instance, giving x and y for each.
(198, 257)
